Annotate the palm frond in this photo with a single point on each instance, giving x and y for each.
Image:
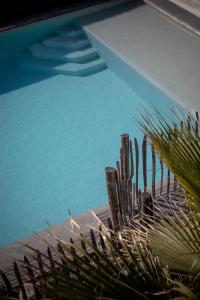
(178, 144)
(176, 240)
(125, 269)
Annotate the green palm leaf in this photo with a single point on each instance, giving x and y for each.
(179, 147)
(176, 240)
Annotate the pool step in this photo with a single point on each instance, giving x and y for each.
(38, 50)
(68, 52)
(73, 69)
(65, 32)
(67, 43)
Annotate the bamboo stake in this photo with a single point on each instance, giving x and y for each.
(153, 172)
(131, 161)
(136, 167)
(125, 146)
(112, 196)
(168, 182)
(125, 171)
(197, 123)
(144, 159)
(119, 192)
(161, 176)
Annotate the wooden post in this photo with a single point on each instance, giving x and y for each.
(197, 123)
(161, 176)
(136, 168)
(131, 161)
(134, 201)
(119, 192)
(147, 204)
(144, 160)
(112, 196)
(153, 172)
(125, 145)
(168, 181)
(125, 173)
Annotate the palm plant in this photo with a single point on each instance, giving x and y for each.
(158, 261)
(177, 239)
(122, 266)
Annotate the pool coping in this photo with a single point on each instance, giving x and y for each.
(166, 7)
(178, 14)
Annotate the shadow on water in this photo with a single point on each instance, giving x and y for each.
(14, 77)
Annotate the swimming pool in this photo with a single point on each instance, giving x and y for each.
(59, 131)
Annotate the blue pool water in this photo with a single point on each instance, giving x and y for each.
(58, 133)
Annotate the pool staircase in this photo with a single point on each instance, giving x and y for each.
(67, 52)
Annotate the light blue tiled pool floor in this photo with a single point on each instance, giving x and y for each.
(58, 133)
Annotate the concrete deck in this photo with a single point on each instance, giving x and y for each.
(152, 44)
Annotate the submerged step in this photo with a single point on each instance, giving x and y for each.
(66, 43)
(66, 32)
(38, 50)
(28, 61)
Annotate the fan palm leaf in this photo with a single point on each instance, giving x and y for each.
(176, 240)
(179, 147)
(124, 269)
